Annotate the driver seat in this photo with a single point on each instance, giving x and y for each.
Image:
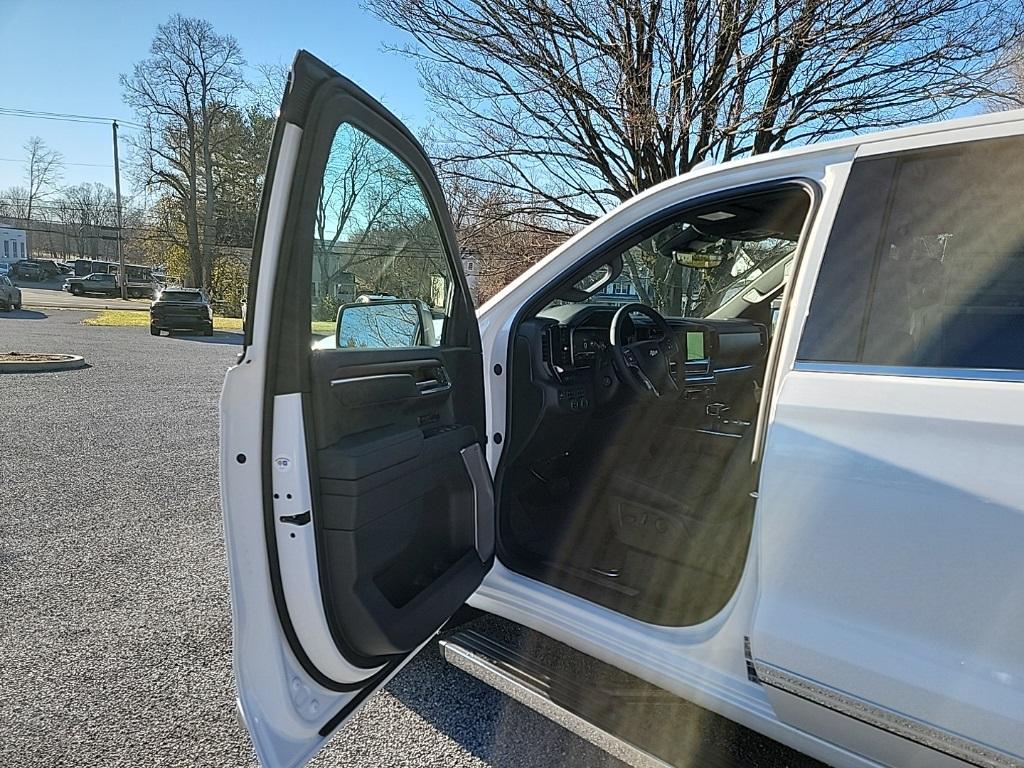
(699, 516)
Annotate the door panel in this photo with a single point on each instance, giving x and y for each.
(890, 569)
(397, 504)
(890, 503)
(358, 510)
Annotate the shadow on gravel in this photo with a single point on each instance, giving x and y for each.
(219, 337)
(23, 314)
(494, 728)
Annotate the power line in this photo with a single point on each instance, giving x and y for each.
(89, 165)
(68, 117)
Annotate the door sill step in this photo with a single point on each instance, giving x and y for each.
(632, 720)
(526, 682)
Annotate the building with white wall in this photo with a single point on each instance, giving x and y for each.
(12, 245)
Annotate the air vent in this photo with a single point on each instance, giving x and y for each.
(698, 368)
(545, 346)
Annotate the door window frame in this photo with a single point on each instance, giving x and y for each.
(331, 108)
(646, 227)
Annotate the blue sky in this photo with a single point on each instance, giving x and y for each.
(70, 53)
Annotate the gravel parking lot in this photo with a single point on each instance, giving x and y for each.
(115, 641)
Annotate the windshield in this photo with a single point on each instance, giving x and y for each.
(746, 262)
(703, 260)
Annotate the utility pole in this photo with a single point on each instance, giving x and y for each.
(122, 275)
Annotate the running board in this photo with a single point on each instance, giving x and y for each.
(522, 680)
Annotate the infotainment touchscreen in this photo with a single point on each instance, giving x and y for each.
(695, 345)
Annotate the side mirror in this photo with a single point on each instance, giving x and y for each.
(703, 260)
(381, 324)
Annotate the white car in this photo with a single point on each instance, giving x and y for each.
(784, 483)
(10, 294)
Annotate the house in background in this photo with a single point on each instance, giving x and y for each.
(471, 268)
(13, 246)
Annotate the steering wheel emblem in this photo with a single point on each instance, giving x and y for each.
(645, 379)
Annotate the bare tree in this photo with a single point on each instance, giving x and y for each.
(88, 215)
(496, 236)
(181, 94)
(44, 168)
(579, 104)
(267, 88)
(1011, 94)
(14, 204)
(363, 182)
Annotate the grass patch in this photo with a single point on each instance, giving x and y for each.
(120, 318)
(126, 318)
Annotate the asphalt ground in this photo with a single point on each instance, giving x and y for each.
(115, 640)
(115, 636)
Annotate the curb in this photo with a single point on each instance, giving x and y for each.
(70, 362)
(98, 308)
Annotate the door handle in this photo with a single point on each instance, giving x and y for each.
(437, 384)
(432, 386)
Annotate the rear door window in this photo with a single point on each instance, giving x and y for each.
(925, 264)
(181, 296)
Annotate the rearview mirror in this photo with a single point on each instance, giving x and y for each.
(380, 324)
(704, 260)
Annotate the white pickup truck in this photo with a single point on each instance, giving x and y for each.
(775, 472)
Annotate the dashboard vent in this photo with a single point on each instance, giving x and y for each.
(545, 346)
(696, 368)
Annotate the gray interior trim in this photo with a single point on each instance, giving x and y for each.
(862, 369)
(733, 369)
(491, 674)
(381, 378)
(907, 727)
(483, 495)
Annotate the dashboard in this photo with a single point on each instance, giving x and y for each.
(578, 337)
(563, 377)
(574, 339)
(586, 343)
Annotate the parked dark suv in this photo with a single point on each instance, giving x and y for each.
(28, 270)
(181, 309)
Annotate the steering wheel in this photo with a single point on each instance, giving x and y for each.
(645, 365)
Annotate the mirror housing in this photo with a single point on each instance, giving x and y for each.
(378, 324)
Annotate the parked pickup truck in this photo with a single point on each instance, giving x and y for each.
(181, 310)
(789, 493)
(106, 285)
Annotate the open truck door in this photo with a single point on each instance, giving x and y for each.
(357, 503)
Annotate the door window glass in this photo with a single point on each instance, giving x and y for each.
(378, 262)
(925, 264)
